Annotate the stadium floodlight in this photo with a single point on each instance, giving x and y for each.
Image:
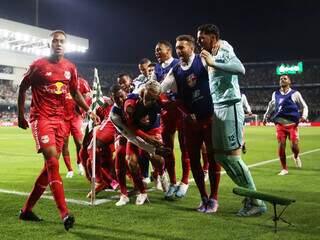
(289, 69)
(26, 43)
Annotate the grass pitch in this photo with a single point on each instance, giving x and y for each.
(176, 220)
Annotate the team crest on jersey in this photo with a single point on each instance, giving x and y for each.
(48, 74)
(192, 80)
(45, 139)
(67, 74)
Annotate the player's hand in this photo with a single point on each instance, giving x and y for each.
(303, 120)
(264, 121)
(163, 151)
(207, 57)
(154, 141)
(95, 118)
(22, 122)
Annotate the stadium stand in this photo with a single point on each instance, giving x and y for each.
(258, 84)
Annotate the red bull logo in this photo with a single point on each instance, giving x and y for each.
(192, 80)
(57, 88)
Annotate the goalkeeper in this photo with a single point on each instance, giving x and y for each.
(228, 117)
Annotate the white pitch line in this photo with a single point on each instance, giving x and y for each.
(68, 200)
(270, 161)
(101, 201)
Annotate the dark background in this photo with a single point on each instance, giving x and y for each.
(126, 31)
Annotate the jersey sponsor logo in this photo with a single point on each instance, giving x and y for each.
(67, 74)
(48, 74)
(57, 88)
(192, 80)
(45, 139)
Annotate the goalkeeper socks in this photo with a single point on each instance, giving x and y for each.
(237, 170)
(282, 156)
(38, 189)
(67, 161)
(56, 186)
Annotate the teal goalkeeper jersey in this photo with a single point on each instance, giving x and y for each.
(223, 77)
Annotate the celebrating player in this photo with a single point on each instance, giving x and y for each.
(228, 115)
(50, 80)
(285, 104)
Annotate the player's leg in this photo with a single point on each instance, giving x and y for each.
(227, 139)
(76, 132)
(194, 140)
(205, 159)
(185, 162)
(168, 128)
(281, 137)
(294, 138)
(132, 153)
(65, 150)
(214, 169)
(121, 169)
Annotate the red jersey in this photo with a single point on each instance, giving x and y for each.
(70, 105)
(50, 82)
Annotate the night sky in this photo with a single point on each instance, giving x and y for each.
(126, 31)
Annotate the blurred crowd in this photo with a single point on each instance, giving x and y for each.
(258, 84)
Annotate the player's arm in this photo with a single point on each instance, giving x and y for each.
(270, 109)
(78, 98)
(233, 65)
(302, 105)
(246, 105)
(24, 85)
(169, 83)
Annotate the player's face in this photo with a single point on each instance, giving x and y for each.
(284, 81)
(119, 97)
(144, 69)
(162, 52)
(125, 82)
(58, 43)
(206, 41)
(150, 70)
(184, 50)
(150, 98)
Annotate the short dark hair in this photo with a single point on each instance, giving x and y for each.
(144, 61)
(152, 64)
(166, 43)
(188, 38)
(115, 88)
(58, 31)
(209, 28)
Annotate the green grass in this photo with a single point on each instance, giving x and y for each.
(19, 166)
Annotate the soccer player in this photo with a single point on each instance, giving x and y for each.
(73, 123)
(286, 104)
(144, 74)
(171, 120)
(126, 133)
(190, 79)
(125, 81)
(228, 115)
(50, 80)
